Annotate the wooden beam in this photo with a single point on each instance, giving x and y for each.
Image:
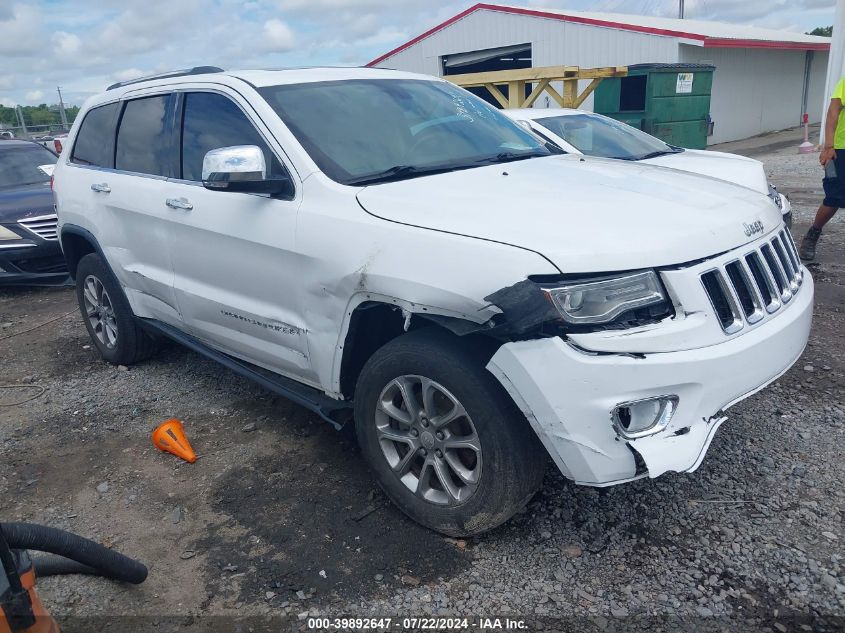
(570, 92)
(516, 94)
(497, 95)
(587, 92)
(516, 80)
(472, 80)
(504, 76)
(555, 95)
(535, 94)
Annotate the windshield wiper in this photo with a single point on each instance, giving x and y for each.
(508, 157)
(398, 172)
(663, 152)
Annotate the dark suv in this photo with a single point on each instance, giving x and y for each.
(29, 246)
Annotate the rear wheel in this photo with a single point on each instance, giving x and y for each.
(445, 441)
(108, 316)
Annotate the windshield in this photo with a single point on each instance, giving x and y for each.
(376, 130)
(600, 136)
(20, 165)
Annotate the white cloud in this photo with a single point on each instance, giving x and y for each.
(321, 5)
(129, 73)
(19, 30)
(67, 43)
(278, 36)
(84, 45)
(34, 95)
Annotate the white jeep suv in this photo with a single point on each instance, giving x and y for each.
(385, 246)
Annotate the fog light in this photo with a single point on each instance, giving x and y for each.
(644, 417)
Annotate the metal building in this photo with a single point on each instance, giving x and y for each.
(765, 79)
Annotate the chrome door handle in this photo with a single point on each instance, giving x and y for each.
(179, 203)
(101, 187)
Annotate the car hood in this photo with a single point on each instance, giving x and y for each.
(583, 214)
(736, 169)
(25, 201)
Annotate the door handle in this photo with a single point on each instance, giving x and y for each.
(179, 203)
(101, 187)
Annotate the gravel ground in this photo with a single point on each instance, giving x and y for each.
(279, 518)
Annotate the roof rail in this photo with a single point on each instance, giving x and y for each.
(196, 70)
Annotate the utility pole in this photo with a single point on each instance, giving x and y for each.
(681, 9)
(21, 119)
(62, 108)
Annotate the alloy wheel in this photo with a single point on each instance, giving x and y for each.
(99, 311)
(429, 440)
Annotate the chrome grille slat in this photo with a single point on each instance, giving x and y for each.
(724, 302)
(792, 251)
(757, 312)
(44, 226)
(786, 264)
(774, 266)
(753, 287)
(764, 281)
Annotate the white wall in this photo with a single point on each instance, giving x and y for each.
(818, 74)
(553, 43)
(754, 90)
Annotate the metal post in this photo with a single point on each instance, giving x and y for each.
(681, 9)
(62, 108)
(21, 119)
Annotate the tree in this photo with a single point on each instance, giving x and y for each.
(824, 31)
(37, 116)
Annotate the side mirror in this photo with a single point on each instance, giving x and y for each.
(241, 168)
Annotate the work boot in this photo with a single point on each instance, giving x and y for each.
(808, 244)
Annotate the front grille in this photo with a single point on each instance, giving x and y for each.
(746, 290)
(44, 226)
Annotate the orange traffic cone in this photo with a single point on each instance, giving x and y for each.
(170, 437)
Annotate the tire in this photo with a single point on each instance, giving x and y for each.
(489, 440)
(107, 315)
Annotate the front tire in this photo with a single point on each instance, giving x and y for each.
(446, 443)
(108, 316)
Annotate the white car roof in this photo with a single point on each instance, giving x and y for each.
(256, 78)
(261, 78)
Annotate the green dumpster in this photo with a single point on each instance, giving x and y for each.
(669, 101)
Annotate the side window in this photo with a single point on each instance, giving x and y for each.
(211, 121)
(95, 140)
(143, 144)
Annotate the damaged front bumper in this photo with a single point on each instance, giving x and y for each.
(568, 394)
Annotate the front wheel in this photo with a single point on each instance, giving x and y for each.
(446, 443)
(108, 316)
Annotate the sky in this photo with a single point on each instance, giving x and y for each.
(83, 45)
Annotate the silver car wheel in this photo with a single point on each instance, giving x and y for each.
(99, 311)
(429, 440)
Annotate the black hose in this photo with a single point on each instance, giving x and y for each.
(52, 565)
(107, 563)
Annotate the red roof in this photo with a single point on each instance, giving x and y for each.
(707, 41)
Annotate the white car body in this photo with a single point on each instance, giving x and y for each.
(278, 282)
(734, 168)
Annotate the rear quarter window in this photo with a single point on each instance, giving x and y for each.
(95, 141)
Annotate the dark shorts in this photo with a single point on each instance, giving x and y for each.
(834, 188)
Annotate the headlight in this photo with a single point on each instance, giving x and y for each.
(6, 235)
(601, 301)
